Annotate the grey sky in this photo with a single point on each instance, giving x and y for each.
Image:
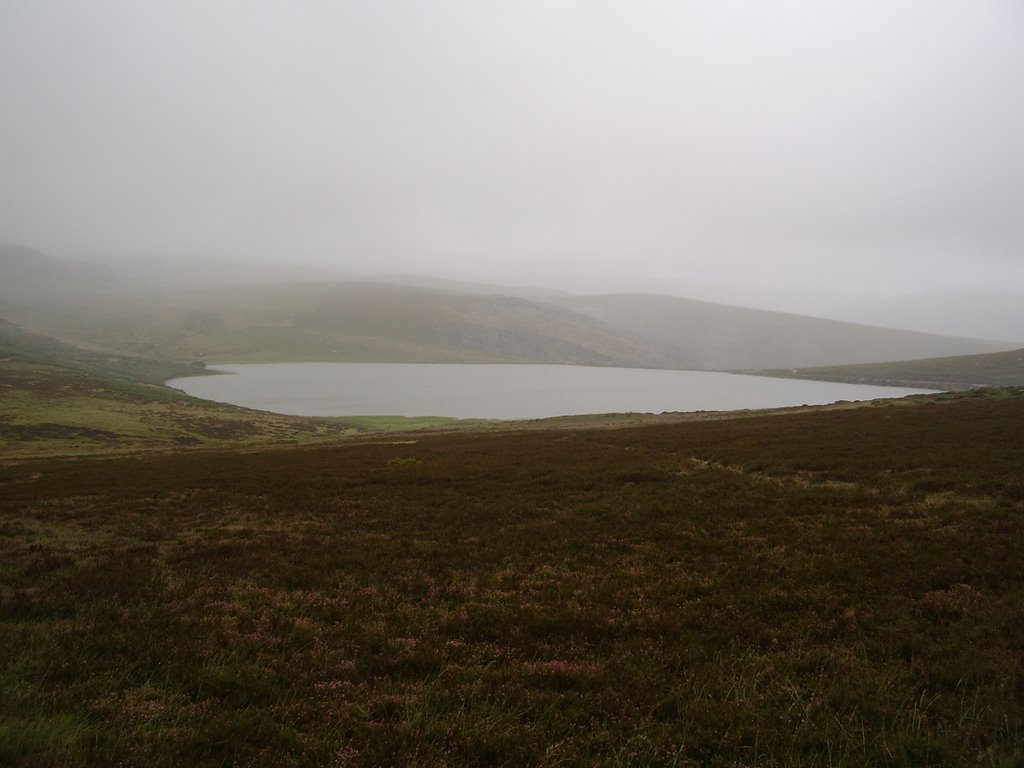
(873, 146)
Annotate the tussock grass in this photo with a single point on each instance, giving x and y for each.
(837, 587)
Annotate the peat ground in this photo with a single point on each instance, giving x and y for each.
(834, 587)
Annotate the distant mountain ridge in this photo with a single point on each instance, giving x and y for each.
(435, 321)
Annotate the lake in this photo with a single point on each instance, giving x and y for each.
(504, 391)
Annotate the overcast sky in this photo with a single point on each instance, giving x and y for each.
(872, 146)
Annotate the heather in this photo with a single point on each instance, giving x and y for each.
(835, 587)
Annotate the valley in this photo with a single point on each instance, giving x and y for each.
(188, 582)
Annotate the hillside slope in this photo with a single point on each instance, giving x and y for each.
(437, 326)
(717, 336)
(997, 369)
(56, 398)
(436, 321)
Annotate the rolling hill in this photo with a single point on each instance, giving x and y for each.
(435, 321)
(438, 326)
(716, 336)
(997, 369)
(56, 398)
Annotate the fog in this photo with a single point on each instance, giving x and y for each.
(767, 152)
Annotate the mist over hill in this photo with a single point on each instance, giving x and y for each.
(717, 336)
(272, 316)
(470, 286)
(450, 327)
(975, 313)
(28, 274)
(151, 274)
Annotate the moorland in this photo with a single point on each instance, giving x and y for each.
(820, 587)
(189, 583)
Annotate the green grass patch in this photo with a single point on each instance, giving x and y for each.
(55, 409)
(405, 423)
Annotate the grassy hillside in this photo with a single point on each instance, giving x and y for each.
(999, 369)
(18, 344)
(344, 322)
(378, 322)
(246, 323)
(367, 322)
(716, 336)
(825, 588)
(59, 399)
(320, 321)
(406, 323)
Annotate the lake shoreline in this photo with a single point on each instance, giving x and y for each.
(507, 391)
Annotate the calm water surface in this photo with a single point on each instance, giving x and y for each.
(504, 391)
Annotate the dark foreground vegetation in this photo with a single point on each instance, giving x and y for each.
(837, 587)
